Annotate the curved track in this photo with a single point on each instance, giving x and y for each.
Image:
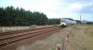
(11, 38)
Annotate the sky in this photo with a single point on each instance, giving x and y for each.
(56, 8)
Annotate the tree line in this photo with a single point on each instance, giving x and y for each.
(53, 21)
(11, 16)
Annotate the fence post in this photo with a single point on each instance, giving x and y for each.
(58, 47)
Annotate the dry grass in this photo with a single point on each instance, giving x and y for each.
(82, 37)
(8, 29)
(49, 43)
(16, 28)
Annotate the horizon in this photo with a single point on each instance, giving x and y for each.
(55, 8)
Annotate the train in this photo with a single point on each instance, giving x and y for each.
(67, 21)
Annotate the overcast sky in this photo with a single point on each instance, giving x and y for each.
(55, 8)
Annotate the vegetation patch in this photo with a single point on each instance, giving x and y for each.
(82, 38)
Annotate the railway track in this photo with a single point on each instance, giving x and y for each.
(12, 38)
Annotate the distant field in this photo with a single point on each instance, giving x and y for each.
(7, 29)
(16, 28)
(81, 37)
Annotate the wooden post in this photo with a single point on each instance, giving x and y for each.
(58, 47)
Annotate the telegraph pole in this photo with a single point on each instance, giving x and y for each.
(80, 17)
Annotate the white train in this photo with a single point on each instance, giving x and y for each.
(67, 21)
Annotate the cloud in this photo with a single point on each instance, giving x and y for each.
(79, 1)
(87, 9)
(54, 8)
(82, 6)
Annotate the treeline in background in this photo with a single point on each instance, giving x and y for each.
(11, 16)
